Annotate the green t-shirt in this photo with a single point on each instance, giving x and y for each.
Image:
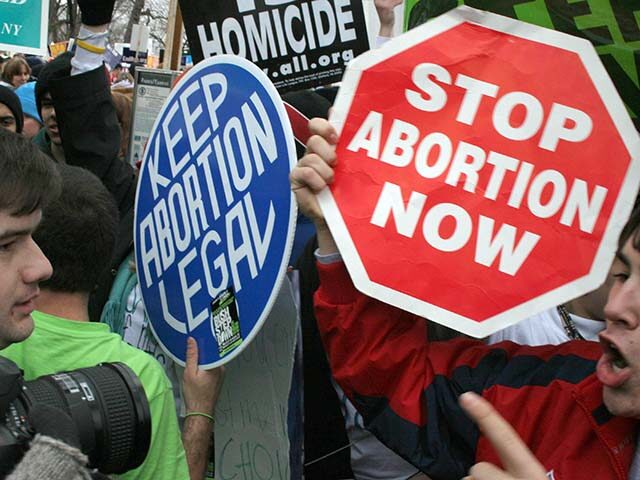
(57, 344)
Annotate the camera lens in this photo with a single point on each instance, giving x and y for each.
(110, 410)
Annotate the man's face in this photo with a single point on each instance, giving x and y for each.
(7, 120)
(619, 366)
(22, 267)
(48, 115)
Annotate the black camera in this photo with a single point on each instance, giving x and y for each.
(107, 404)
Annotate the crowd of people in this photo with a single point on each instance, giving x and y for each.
(387, 395)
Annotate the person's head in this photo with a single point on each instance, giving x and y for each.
(32, 121)
(29, 181)
(619, 366)
(78, 232)
(58, 68)
(10, 111)
(123, 104)
(16, 71)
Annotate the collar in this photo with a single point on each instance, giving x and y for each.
(617, 433)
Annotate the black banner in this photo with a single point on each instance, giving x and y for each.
(298, 44)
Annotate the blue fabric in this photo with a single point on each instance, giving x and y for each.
(26, 94)
(305, 229)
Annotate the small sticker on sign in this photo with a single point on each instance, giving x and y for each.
(225, 323)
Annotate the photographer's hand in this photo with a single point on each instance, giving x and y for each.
(54, 423)
(55, 451)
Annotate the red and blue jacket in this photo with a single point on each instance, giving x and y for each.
(407, 389)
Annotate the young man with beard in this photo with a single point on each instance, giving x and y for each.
(576, 404)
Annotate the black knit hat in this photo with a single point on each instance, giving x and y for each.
(11, 100)
(57, 68)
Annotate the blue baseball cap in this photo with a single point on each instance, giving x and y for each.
(27, 96)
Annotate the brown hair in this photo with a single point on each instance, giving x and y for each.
(14, 67)
(632, 229)
(29, 179)
(123, 103)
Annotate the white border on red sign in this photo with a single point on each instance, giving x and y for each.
(619, 214)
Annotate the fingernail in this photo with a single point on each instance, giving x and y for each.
(469, 398)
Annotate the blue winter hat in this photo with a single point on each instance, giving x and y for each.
(27, 96)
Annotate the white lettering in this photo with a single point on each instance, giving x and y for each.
(490, 246)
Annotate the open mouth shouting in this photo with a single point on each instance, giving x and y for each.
(613, 368)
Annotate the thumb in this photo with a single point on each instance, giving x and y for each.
(192, 355)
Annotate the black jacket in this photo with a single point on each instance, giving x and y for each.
(91, 139)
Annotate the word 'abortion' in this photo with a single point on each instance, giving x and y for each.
(277, 33)
(236, 152)
(435, 155)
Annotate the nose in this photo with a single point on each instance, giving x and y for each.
(37, 267)
(623, 305)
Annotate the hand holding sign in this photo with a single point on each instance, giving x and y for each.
(201, 387)
(518, 460)
(314, 171)
(312, 174)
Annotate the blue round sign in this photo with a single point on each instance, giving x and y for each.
(215, 216)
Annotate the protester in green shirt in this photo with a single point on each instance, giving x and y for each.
(77, 234)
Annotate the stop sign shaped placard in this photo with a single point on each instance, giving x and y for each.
(485, 170)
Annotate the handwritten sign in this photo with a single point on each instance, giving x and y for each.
(251, 414)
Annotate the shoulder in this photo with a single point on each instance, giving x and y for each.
(539, 329)
(151, 374)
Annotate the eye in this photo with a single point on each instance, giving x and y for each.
(620, 275)
(7, 246)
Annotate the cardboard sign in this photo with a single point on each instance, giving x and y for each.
(58, 48)
(252, 438)
(139, 38)
(214, 212)
(151, 89)
(24, 26)
(487, 167)
(610, 25)
(298, 44)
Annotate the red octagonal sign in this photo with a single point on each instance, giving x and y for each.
(486, 168)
